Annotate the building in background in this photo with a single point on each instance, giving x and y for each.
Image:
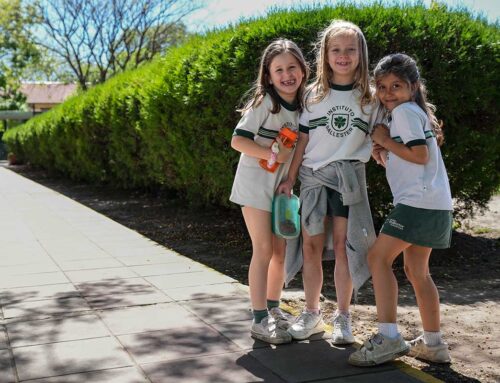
(41, 97)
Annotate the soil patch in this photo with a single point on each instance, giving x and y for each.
(467, 274)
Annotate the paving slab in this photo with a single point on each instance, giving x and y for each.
(12, 281)
(37, 293)
(6, 370)
(54, 330)
(176, 344)
(221, 290)
(43, 308)
(53, 359)
(115, 375)
(221, 310)
(196, 278)
(162, 316)
(223, 368)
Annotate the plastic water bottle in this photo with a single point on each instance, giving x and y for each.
(288, 136)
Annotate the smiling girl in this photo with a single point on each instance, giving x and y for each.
(422, 216)
(276, 101)
(333, 146)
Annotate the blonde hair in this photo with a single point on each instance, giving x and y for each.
(405, 68)
(262, 85)
(324, 74)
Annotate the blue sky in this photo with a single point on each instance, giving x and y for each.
(218, 13)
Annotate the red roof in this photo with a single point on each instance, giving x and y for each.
(46, 93)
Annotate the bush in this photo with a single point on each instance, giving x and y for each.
(169, 123)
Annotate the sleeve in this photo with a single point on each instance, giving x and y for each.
(252, 120)
(409, 127)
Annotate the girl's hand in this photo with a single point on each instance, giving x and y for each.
(380, 134)
(284, 153)
(379, 154)
(285, 187)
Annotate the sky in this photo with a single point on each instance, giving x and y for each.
(219, 13)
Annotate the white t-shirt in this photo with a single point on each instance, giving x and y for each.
(254, 186)
(422, 186)
(338, 128)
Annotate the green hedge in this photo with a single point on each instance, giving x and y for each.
(169, 123)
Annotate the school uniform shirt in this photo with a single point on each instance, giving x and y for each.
(254, 186)
(422, 186)
(338, 128)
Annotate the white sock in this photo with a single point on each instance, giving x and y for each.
(389, 330)
(432, 338)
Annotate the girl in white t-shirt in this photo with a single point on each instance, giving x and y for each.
(333, 146)
(422, 216)
(276, 101)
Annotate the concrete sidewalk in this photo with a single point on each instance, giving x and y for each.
(85, 299)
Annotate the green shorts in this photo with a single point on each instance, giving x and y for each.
(335, 206)
(422, 227)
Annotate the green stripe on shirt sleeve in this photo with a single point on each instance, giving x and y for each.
(303, 129)
(415, 143)
(243, 133)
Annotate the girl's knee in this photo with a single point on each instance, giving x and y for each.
(263, 250)
(417, 277)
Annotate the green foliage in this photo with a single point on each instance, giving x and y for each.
(169, 123)
(16, 50)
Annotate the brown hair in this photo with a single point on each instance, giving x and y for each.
(405, 68)
(262, 85)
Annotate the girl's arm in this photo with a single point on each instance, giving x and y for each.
(249, 147)
(286, 186)
(418, 154)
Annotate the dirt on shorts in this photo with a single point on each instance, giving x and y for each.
(467, 275)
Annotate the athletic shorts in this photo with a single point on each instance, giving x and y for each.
(422, 227)
(335, 206)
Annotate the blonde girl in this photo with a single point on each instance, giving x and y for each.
(422, 216)
(276, 101)
(333, 146)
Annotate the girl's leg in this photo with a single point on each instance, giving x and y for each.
(380, 259)
(276, 273)
(429, 346)
(258, 223)
(342, 276)
(310, 321)
(312, 270)
(417, 270)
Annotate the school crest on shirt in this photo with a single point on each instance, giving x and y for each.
(340, 121)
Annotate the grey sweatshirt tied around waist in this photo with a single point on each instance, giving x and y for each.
(349, 179)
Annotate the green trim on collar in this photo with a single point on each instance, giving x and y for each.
(291, 107)
(342, 87)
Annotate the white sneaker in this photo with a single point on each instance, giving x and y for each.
(269, 332)
(283, 320)
(305, 325)
(342, 331)
(379, 349)
(437, 354)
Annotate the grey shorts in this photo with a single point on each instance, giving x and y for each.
(422, 227)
